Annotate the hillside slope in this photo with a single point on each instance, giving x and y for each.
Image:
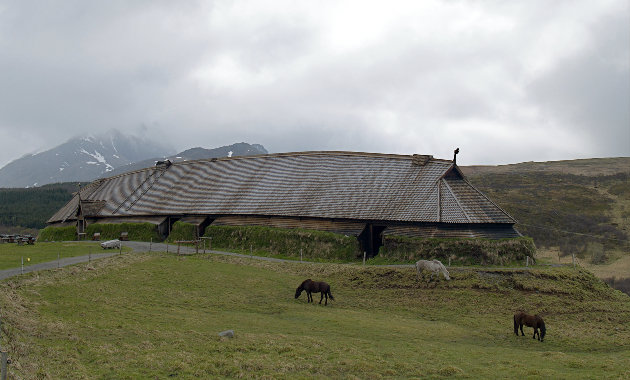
(30, 208)
(579, 206)
(83, 322)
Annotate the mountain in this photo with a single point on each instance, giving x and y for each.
(79, 159)
(83, 159)
(238, 149)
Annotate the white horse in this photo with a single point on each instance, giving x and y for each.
(433, 266)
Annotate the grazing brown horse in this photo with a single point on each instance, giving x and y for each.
(534, 321)
(311, 286)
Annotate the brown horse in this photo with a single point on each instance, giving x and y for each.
(534, 321)
(311, 286)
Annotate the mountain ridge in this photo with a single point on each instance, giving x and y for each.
(89, 157)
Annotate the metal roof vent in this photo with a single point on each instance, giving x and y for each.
(420, 159)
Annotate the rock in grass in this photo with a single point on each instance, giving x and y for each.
(227, 334)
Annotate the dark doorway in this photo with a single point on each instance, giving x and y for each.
(201, 229)
(371, 239)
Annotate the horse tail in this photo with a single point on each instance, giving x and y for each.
(515, 325)
(330, 294)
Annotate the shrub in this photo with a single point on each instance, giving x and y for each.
(136, 231)
(182, 231)
(58, 234)
(464, 251)
(286, 242)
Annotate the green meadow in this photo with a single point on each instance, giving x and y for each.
(11, 254)
(158, 315)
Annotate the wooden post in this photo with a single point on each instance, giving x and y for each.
(527, 262)
(22, 265)
(90, 255)
(178, 248)
(300, 254)
(363, 257)
(210, 244)
(573, 259)
(251, 253)
(449, 261)
(204, 246)
(150, 244)
(58, 255)
(167, 246)
(197, 246)
(120, 247)
(3, 365)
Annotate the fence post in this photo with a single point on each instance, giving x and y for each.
(204, 246)
(527, 262)
(150, 244)
(300, 254)
(449, 261)
(120, 248)
(58, 256)
(197, 246)
(251, 253)
(573, 259)
(90, 255)
(167, 246)
(22, 265)
(177, 248)
(3, 365)
(364, 257)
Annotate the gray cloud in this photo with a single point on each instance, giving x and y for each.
(505, 82)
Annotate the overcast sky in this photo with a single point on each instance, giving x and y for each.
(505, 81)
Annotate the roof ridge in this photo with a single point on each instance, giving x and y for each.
(286, 154)
(313, 153)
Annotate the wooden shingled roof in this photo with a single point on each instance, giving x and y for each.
(340, 185)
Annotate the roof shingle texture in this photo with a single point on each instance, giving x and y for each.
(344, 185)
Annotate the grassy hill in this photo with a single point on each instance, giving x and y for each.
(157, 316)
(577, 207)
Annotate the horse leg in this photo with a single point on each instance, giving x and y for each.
(536, 332)
(515, 327)
(522, 333)
(309, 297)
(321, 298)
(326, 295)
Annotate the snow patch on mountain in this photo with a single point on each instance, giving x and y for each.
(99, 158)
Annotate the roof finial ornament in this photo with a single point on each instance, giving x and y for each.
(455, 156)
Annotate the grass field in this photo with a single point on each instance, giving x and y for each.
(11, 254)
(157, 316)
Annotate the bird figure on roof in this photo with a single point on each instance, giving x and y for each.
(455, 155)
